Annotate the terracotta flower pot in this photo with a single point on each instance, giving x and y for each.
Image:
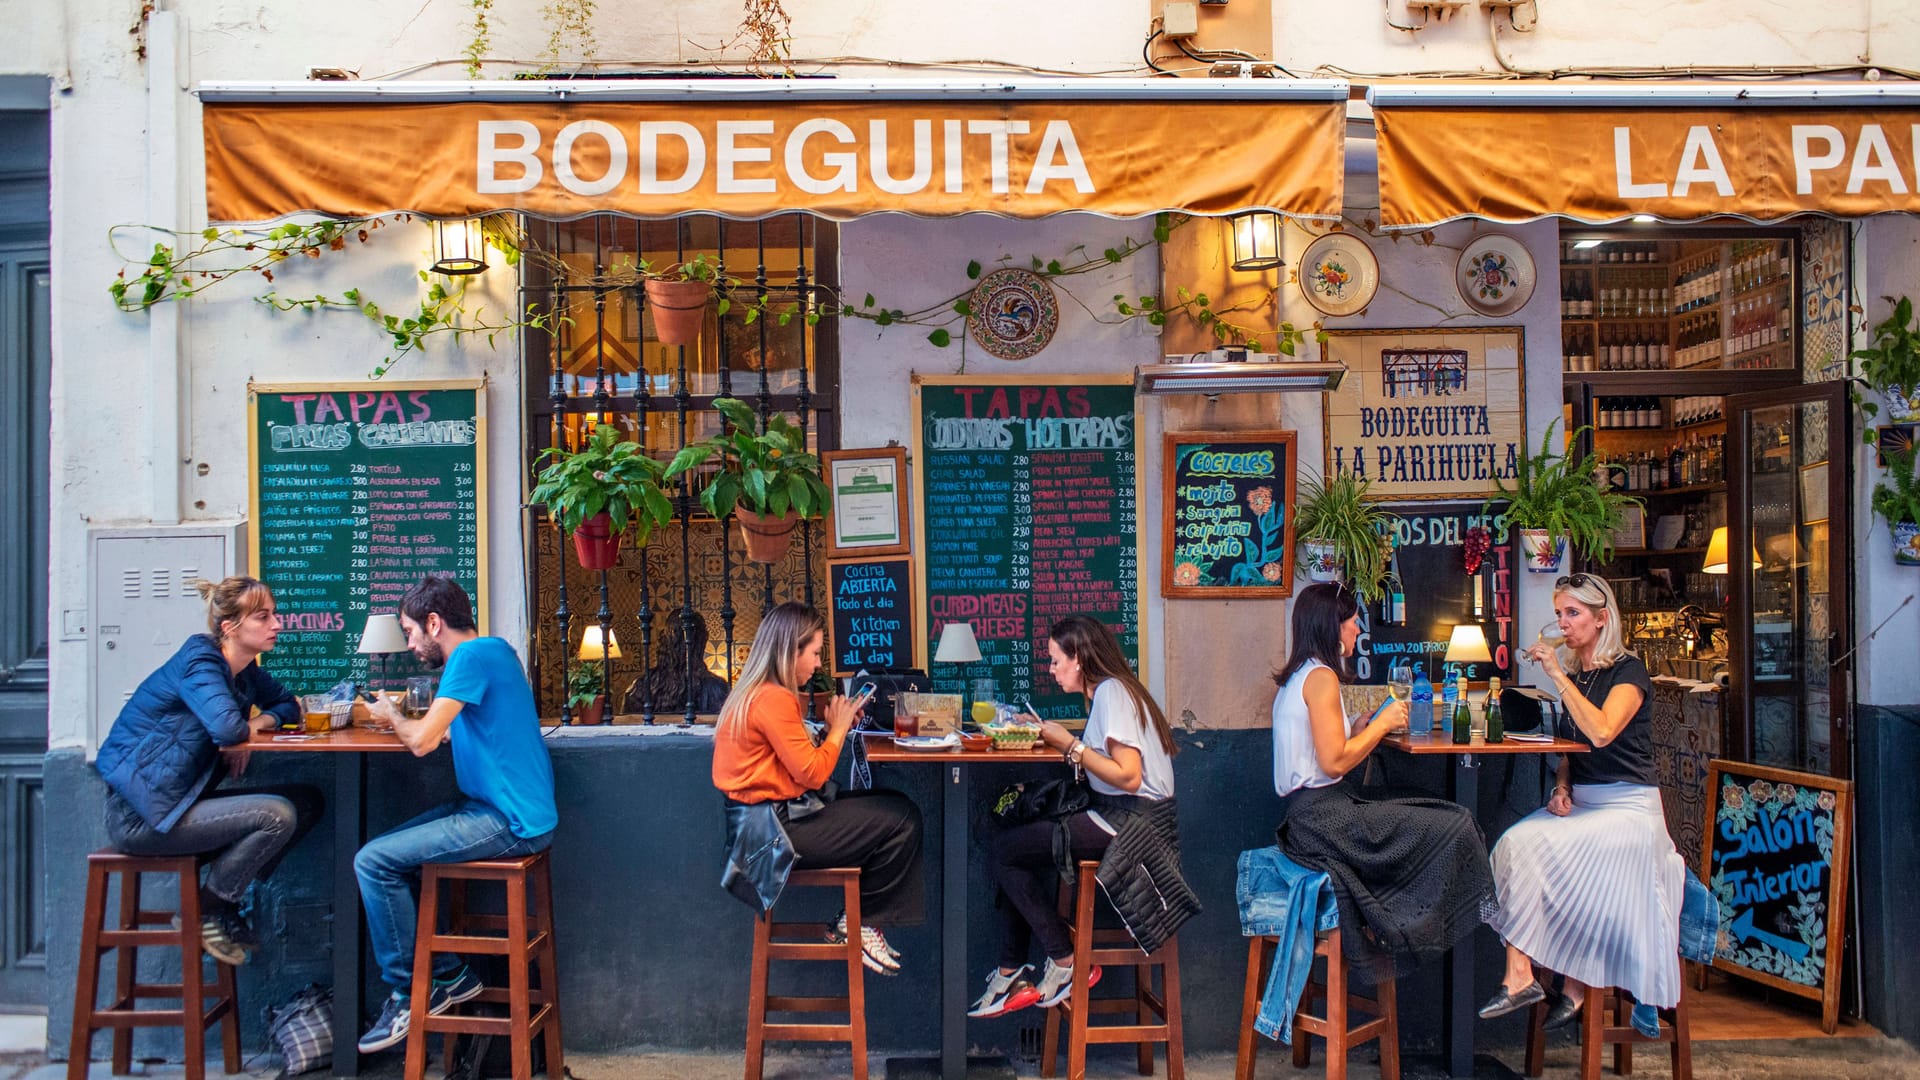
(766, 537)
(1542, 551)
(679, 309)
(589, 715)
(596, 544)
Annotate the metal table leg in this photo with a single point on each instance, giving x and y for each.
(349, 829)
(1462, 1004)
(953, 924)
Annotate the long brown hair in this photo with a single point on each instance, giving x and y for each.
(769, 660)
(1088, 640)
(232, 600)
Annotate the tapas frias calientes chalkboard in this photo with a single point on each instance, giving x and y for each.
(357, 492)
(1776, 859)
(873, 613)
(1028, 513)
(1228, 502)
(1430, 546)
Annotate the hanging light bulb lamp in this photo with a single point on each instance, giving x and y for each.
(459, 247)
(1256, 240)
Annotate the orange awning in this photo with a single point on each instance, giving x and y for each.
(1603, 153)
(836, 148)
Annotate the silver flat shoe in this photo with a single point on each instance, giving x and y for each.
(1502, 1003)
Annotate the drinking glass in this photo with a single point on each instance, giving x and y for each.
(1400, 680)
(318, 714)
(419, 696)
(906, 725)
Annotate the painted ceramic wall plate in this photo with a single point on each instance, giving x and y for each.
(1495, 274)
(1014, 313)
(1338, 274)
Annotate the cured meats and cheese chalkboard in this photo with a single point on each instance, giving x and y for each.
(1027, 513)
(873, 613)
(1430, 547)
(356, 492)
(1776, 859)
(1229, 514)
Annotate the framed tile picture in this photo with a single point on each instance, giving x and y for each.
(1428, 414)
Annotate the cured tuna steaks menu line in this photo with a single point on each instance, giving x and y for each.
(1027, 513)
(357, 492)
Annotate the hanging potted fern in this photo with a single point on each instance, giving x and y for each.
(1898, 503)
(1891, 368)
(608, 487)
(1342, 535)
(1555, 503)
(769, 481)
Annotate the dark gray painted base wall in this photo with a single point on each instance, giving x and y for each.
(652, 952)
(1887, 814)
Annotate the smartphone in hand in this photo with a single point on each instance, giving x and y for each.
(863, 694)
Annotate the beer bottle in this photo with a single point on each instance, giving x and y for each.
(1496, 725)
(1462, 715)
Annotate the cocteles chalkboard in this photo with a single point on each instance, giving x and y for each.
(356, 492)
(1228, 500)
(1431, 549)
(1028, 513)
(873, 613)
(1776, 859)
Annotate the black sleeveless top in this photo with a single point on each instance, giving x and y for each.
(1629, 757)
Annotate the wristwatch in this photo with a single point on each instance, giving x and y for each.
(1074, 752)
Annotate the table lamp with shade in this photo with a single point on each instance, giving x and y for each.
(958, 646)
(1468, 645)
(382, 637)
(1716, 560)
(595, 650)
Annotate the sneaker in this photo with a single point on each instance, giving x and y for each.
(391, 1028)
(1005, 994)
(838, 935)
(462, 985)
(875, 953)
(217, 940)
(1056, 983)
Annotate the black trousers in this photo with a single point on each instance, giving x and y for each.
(879, 832)
(1023, 866)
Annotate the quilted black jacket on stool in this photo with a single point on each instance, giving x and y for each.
(1140, 872)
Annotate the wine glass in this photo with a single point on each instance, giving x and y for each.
(1400, 680)
(1552, 636)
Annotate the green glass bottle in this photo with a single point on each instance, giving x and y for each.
(1496, 724)
(1462, 716)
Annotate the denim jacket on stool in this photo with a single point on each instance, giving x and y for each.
(1282, 899)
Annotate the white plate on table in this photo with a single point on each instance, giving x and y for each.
(928, 742)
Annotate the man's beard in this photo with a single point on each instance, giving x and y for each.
(432, 655)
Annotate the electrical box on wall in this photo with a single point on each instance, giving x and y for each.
(1180, 19)
(142, 604)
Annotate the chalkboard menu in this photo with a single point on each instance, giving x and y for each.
(1028, 513)
(356, 493)
(1776, 859)
(1430, 546)
(1228, 502)
(873, 613)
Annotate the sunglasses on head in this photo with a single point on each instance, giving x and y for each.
(1573, 581)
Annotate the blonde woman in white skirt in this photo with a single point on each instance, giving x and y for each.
(1590, 885)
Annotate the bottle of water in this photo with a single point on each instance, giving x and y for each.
(1420, 709)
(1449, 693)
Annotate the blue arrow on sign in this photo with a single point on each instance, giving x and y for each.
(1743, 927)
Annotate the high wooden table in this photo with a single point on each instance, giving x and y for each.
(1463, 787)
(349, 832)
(955, 845)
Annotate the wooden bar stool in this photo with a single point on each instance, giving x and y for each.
(524, 938)
(1156, 1016)
(1335, 1026)
(804, 941)
(201, 1005)
(1596, 1033)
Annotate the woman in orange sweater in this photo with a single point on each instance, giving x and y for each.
(762, 752)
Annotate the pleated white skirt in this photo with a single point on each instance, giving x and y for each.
(1596, 895)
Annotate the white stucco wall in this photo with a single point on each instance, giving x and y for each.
(106, 159)
(1886, 262)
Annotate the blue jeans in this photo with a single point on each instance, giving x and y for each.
(389, 871)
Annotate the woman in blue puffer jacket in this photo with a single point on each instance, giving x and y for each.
(163, 767)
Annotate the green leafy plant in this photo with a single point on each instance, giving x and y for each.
(1336, 509)
(586, 683)
(1898, 500)
(821, 682)
(607, 474)
(1554, 492)
(769, 473)
(1893, 363)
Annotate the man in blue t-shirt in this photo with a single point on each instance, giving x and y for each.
(485, 708)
